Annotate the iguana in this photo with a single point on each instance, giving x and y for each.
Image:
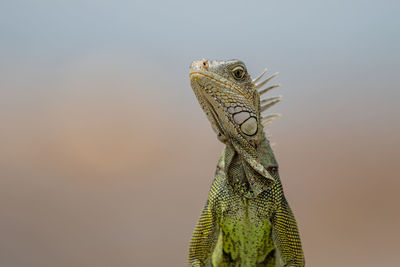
(246, 220)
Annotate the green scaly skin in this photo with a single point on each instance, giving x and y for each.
(246, 220)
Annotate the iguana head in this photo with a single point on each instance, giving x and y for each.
(231, 101)
(227, 95)
(230, 98)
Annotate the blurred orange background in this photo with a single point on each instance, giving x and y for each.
(106, 156)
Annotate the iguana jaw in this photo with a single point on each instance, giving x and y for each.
(209, 109)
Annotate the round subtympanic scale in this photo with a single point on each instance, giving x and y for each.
(250, 126)
(241, 117)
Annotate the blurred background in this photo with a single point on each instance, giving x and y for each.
(106, 157)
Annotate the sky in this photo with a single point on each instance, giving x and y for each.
(106, 157)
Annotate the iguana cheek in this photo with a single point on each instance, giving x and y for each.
(240, 117)
(250, 126)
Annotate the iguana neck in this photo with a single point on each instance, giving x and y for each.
(240, 175)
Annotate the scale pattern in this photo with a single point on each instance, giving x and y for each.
(246, 220)
(237, 231)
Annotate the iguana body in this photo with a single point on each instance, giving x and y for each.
(246, 220)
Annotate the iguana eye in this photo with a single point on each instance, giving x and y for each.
(238, 73)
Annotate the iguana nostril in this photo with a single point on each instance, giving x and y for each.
(205, 64)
